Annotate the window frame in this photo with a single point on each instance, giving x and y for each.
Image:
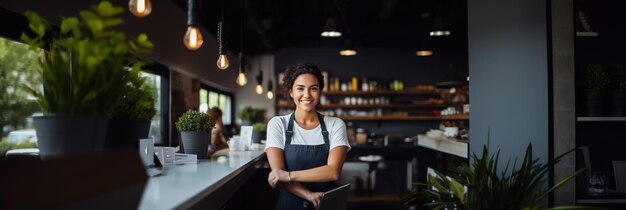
(222, 92)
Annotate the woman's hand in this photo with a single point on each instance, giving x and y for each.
(277, 176)
(315, 198)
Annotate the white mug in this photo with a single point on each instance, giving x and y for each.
(451, 131)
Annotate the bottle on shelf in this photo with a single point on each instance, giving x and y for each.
(350, 133)
(364, 85)
(325, 76)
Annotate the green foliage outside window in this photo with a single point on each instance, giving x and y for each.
(18, 66)
(6, 146)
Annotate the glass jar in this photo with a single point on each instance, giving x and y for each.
(361, 136)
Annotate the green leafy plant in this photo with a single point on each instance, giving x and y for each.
(138, 101)
(488, 187)
(250, 114)
(618, 76)
(596, 78)
(83, 68)
(259, 127)
(193, 120)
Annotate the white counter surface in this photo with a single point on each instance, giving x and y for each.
(444, 144)
(181, 186)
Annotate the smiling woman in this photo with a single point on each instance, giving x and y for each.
(305, 149)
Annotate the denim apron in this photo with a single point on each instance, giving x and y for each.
(301, 157)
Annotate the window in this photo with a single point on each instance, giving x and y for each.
(18, 66)
(210, 97)
(158, 127)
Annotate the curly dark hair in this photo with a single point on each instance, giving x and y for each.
(292, 72)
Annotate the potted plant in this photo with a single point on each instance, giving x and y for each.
(249, 115)
(258, 132)
(594, 95)
(485, 186)
(618, 81)
(195, 128)
(83, 73)
(131, 117)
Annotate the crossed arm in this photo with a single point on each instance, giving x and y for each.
(292, 179)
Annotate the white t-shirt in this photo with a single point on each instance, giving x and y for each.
(277, 126)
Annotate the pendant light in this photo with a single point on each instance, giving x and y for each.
(242, 80)
(450, 80)
(330, 28)
(348, 48)
(140, 8)
(259, 81)
(424, 48)
(193, 36)
(270, 94)
(439, 27)
(222, 61)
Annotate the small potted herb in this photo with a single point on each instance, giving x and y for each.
(195, 128)
(258, 132)
(595, 92)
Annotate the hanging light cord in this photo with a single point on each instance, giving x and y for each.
(241, 28)
(220, 33)
(343, 17)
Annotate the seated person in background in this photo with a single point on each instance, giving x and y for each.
(217, 134)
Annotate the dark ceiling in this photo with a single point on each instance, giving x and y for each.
(274, 24)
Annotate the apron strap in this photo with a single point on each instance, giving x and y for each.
(289, 131)
(324, 131)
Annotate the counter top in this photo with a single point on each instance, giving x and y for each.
(444, 144)
(182, 186)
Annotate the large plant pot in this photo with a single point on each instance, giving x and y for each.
(195, 142)
(594, 103)
(619, 102)
(69, 135)
(125, 133)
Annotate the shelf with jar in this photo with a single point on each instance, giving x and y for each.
(405, 117)
(380, 114)
(370, 106)
(372, 100)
